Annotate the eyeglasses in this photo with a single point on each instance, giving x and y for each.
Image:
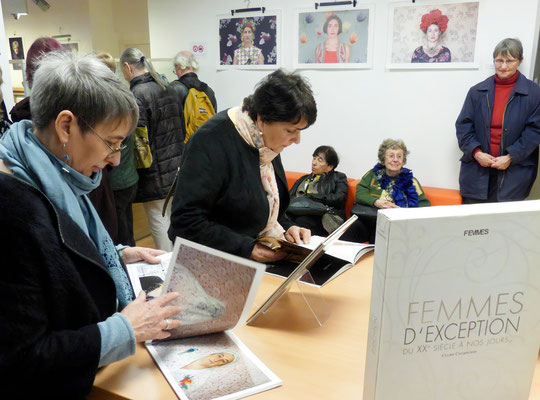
(112, 149)
(498, 62)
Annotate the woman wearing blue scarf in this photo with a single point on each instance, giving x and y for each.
(387, 185)
(64, 280)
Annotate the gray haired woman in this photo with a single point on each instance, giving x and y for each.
(66, 280)
(387, 185)
(498, 131)
(162, 121)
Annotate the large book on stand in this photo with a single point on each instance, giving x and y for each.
(455, 304)
(337, 258)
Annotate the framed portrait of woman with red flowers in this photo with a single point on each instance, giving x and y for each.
(249, 41)
(437, 35)
(334, 37)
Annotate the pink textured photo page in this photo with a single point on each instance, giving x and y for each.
(217, 289)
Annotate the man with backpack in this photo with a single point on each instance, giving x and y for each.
(198, 99)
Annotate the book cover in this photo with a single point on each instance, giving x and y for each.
(203, 359)
(455, 303)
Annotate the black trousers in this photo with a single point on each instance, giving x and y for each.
(124, 199)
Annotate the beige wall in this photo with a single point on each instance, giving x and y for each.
(119, 24)
(97, 25)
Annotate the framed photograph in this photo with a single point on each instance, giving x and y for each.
(434, 35)
(71, 46)
(334, 37)
(249, 41)
(16, 48)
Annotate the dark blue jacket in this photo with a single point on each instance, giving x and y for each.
(520, 138)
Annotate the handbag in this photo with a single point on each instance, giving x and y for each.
(303, 205)
(365, 212)
(143, 155)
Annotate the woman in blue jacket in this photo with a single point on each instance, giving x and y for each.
(498, 131)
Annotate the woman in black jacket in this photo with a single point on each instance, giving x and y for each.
(324, 186)
(161, 119)
(232, 187)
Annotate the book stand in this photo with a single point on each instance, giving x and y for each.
(308, 301)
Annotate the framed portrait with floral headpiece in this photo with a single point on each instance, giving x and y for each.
(338, 37)
(249, 41)
(436, 35)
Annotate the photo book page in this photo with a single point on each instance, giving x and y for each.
(202, 359)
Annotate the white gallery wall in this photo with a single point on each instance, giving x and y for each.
(357, 109)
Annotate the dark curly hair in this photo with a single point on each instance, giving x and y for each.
(282, 97)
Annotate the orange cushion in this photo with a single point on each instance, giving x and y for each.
(442, 197)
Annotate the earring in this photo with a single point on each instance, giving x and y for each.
(66, 157)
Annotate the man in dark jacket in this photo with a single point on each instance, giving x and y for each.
(186, 67)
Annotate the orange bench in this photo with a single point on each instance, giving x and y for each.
(437, 196)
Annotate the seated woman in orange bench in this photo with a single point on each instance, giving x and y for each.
(318, 199)
(387, 185)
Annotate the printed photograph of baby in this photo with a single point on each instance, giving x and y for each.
(333, 38)
(211, 367)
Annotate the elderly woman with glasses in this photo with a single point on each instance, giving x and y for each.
(387, 185)
(498, 131)
(60, 300)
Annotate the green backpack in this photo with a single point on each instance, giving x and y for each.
(197, 110)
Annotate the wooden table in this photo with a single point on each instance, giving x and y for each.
(314, 362)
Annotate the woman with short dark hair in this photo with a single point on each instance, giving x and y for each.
(232, 188)
(318, 199)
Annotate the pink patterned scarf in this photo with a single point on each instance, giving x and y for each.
(253, 136)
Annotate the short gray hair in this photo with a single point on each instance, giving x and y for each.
(392, 144)
(509, 46)
(185, 60)
(82, 84)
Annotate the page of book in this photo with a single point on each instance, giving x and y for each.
(216, 366)
(339, 257)
(148, 277)
(348, 251)
(217, 289)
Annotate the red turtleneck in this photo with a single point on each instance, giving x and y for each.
(503, 88)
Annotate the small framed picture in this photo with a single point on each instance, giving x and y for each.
(249, 41)
(433, 35)
(71, 46)
(335, 37)
(16, 48)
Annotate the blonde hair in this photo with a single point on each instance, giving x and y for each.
(108, 60)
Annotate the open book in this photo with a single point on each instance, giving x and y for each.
(338, 257)
(203, 359)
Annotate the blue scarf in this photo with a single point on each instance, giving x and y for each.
(403, 189)
(66, 188)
